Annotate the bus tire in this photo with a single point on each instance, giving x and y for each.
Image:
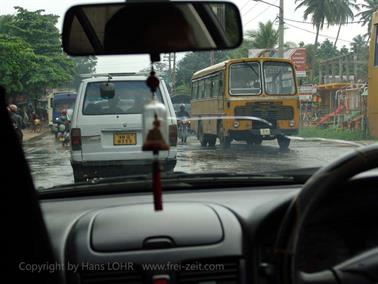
(283, 142)
(258, 141)
(224, 141)
(201, 136)
(212, 140)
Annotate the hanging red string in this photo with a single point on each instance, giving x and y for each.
(157, 188)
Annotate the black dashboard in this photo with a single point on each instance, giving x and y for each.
(209, 236)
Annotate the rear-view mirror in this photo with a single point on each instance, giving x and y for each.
(151, 27)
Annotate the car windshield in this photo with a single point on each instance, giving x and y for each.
(299, 92)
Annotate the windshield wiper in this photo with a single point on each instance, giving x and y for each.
(175, 181)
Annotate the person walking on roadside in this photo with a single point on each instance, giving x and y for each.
(17, 120)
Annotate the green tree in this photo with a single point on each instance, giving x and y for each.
(265, 37)
(369, 7)
(360, 46)
(343, 13)
(17, 64)
(51, 67)
(37, 29)
(5, 20)
(320, 12)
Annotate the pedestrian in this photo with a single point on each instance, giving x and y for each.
(17, 121)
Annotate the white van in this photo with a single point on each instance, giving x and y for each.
(97, 123)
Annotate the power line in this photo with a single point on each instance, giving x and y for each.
(253, 7)
(245, 4)
(312, 32)
(266, 9)
(309, 23)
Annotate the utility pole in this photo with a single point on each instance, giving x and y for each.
(212, 57)
(173, 91)
(281, 30)
(281, 27)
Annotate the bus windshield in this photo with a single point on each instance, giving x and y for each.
(245, 78)
(279, 78)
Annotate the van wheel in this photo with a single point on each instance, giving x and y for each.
(283, 142)
(201, 136)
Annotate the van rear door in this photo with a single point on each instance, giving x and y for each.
(111, 128)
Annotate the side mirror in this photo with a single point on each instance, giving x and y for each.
(151, 27)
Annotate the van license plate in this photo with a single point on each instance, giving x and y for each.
(265, 131)
(124, 139)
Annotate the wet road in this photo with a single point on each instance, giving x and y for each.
(50, 161)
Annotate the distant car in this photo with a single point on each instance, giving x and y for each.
(97, 124)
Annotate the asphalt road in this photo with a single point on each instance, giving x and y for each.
(50, 164)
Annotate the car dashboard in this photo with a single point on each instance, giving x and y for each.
(203, 236)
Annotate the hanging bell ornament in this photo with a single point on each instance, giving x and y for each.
(155, 126)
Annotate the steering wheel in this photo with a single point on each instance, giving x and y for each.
(360, 269)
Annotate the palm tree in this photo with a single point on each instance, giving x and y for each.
(359, 45)
(265, 37)
(343, 13)
(320, 11)
(370, 6)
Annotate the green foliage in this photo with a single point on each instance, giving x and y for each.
(369, 7)
(17, 64)
(333, 133)
(31, 55)
(265, 37)
(319, 11)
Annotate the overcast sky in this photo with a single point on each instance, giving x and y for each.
(252, 13)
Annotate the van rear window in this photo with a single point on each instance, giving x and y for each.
(130, 98)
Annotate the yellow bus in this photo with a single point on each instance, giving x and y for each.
(248, 99)
(373, 79)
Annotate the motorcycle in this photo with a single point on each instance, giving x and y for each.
(183, 128)
(63, 135)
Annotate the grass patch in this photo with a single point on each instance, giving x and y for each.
(334, 133)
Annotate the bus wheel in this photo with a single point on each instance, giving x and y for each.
(283, 142)
(224, 141)
(201, 136)
(257, 140)
(212, 140)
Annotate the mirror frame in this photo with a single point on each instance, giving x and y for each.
(88, 29)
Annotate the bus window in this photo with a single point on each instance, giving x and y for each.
(279, 78)
(221, 84)
(201, 89)
(215, 90)
(245, 79)
(195, 90)
(208, 83)
(376, 47)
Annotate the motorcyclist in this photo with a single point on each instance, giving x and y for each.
(63, 132)
(182, 113)
(183, 123)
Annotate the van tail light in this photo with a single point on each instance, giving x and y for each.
(173, 135)
(76, 139)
